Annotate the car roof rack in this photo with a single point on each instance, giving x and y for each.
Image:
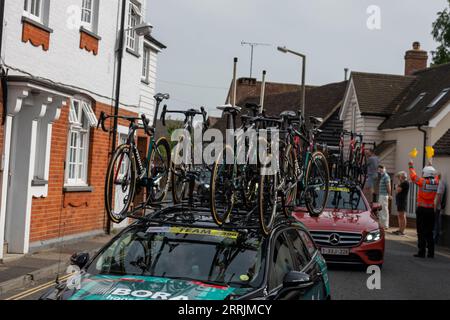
(186, 214)
(199, 216)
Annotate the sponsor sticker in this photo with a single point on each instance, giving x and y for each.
(196, 231)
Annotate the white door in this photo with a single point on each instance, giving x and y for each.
(119, 194)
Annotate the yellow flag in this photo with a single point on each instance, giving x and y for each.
(430, 152)
(413, 153)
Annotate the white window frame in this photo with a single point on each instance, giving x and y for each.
(77, 157)
(134, 18)
(91, 10)
(146, 57)
(33, 5)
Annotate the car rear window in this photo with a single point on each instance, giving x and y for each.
(346, 198)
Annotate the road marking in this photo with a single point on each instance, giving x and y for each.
(34, 290)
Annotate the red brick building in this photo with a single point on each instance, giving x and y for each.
(59, 64)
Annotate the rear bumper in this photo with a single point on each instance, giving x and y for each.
(364, 254)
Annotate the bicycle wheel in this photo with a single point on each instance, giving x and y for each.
(267, 201)
(317, 184)
(120, 183)
(289, 173)
(158, 173)
(178, 176)
(222, 194)
(362, 176)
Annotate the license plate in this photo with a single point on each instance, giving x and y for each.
(336, 251)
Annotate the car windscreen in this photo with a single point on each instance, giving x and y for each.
(213, 256)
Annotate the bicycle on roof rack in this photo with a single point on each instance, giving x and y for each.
(354, 168)
(303, 171)
(128, 173)
(312, 169)
(234, 185)
(184, 174)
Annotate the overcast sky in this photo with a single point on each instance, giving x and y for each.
(203, 36)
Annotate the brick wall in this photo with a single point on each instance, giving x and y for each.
(64, 214)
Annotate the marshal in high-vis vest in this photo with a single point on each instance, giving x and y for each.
(428, 186)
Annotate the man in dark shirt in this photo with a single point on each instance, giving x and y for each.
(401, 197)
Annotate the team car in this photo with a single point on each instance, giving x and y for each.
(348, 231)
(197, 261)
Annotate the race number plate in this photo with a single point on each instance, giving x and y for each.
(336, 251)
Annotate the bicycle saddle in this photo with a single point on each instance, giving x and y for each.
(316, 120)
(228, 108)
(288, 114)
(162, 96)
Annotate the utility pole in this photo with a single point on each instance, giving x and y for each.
(252, 51)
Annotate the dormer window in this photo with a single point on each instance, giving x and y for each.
(438, 98)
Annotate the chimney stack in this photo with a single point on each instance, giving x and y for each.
(415, 59)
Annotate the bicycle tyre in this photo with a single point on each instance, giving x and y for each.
(289, 171)
(224, 188)
(267, 202)
(162, 150)
(178, 169)
(111, 176)
(313, 209)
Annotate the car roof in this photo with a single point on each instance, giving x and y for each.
(199, 218)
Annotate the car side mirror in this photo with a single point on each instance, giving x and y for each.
(79, 259)
(295, 279)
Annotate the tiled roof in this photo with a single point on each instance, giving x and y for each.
(250, 87)
(378, 93)
(320, 101)
(442, 147)
(430, 81)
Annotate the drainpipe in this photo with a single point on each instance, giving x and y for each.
(2, 13)
(425, 137)
(117, 93)
(3, 73)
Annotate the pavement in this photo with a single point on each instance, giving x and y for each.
(21, 272)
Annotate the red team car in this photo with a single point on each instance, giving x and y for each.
(348, 231)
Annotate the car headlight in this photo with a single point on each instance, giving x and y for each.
(373, 236)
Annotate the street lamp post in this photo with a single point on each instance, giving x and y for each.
(141, 30)
(286, 50)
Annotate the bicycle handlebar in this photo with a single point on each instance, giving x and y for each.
(191, 112)
(143, 118)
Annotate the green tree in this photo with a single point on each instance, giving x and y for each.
(441, 34)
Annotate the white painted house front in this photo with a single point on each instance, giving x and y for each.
(60, 58)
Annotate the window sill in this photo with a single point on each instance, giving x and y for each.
(36, 24)
(39, 183)
(90, 33)
(75, 189)
(145, 81)
(133, 53)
